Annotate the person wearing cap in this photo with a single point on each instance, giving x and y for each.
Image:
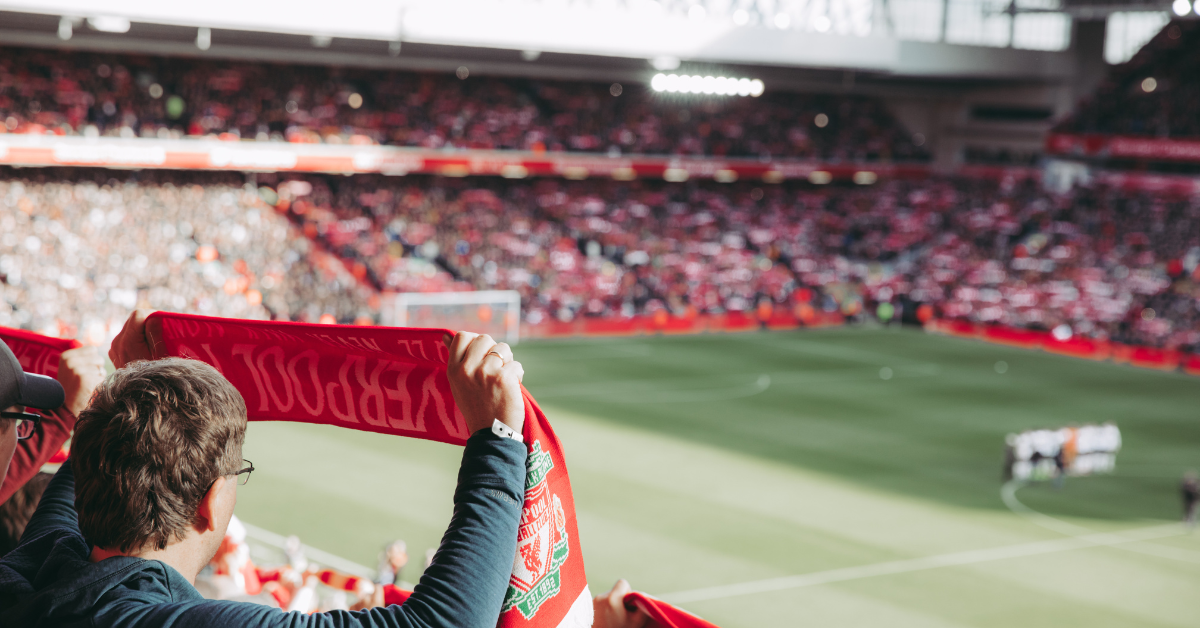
(28, 440)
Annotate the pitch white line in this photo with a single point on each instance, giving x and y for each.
(317, 556)
(1008, 493)
(956, 559)
(1079, 537)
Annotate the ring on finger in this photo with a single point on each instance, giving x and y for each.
(497, 354)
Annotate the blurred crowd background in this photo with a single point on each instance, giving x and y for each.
(82, 247)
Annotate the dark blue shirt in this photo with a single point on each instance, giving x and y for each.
(48, 581)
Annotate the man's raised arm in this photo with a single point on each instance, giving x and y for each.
(464, 587)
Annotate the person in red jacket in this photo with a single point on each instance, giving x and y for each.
(20, 390)
(27, 440)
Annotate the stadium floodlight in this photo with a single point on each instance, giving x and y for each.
(109, 24)
(514, 171)
(709, 85)
(1181, 7)
(203, 38)
(865, 177)
(66, 28)
(493, 312)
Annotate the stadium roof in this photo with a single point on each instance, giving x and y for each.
(523, 34)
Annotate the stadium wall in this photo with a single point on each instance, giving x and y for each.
(1075, 347)
(662, 323)
(229, 154)
(1123, 147)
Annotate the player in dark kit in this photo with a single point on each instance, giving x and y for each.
(1191, 496)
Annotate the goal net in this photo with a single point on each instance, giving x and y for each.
(496, 313)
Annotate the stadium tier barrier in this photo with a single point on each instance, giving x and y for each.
(1122, 147)
(1075, 347)
(209, 154)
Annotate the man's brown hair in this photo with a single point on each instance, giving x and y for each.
(154, 439)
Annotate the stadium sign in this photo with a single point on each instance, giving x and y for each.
(108, 154)
(213, 154)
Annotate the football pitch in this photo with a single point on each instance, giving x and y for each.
(842, 477)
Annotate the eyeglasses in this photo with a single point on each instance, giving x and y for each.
(246, 471)
(26, 422)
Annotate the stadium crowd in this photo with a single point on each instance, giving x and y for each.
(78, 93)
(80, 248)
(1106, 263)
(1155, 94)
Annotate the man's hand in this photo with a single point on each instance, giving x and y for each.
(135, 340)
(610, 612)
(486, 381)
(80, 371)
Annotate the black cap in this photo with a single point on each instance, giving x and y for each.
(18, 388)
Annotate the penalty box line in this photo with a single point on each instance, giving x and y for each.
(1008, 493)
(896, 567)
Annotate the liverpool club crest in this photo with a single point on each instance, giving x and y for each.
(541, 540)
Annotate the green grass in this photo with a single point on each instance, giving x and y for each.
(690, 470)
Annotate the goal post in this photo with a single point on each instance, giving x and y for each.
(493, 312)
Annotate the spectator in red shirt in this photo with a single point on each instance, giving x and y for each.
(30, 440)
(20, 390)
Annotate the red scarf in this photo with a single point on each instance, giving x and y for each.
(663, 615)
(37, 354)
